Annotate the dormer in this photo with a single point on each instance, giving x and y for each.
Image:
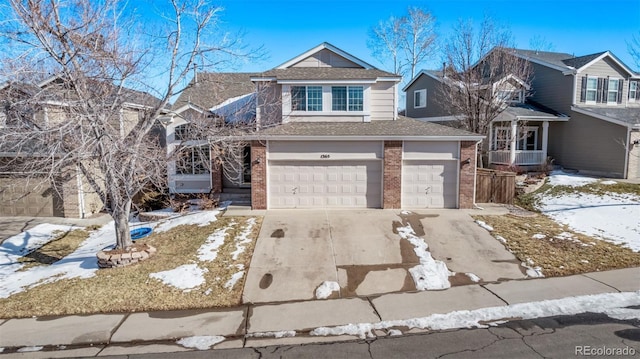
(326, 84)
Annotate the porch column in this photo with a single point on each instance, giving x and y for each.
(545, 135)
(514, 142)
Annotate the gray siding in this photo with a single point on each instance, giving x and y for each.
(435, 103)
(551, 88)
(269, 101)
(382, 101)
(325, 58)
(589, 144)
(604, 68)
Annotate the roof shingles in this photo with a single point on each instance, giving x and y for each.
(402, 127)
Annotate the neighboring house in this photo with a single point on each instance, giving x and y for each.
(328, 135)
(583, 112)
(26, 194)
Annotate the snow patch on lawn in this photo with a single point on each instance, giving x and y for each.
(598, 303)
(609, 182)
(484, 225)
(326, 288)
(185, 277)
(209, 250)
(560, 178)
(15, 247)
(199, 218)
(201, 342)
(82, 263)
(539, 236)
(612, 217)
(430, 274)
(243, 239)
(235, 277)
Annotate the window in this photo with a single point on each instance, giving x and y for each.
(193, 161)
(529, 139)
(306, 98)
(347, 98)
(420, 98)
(592, 89)
(501, 138)
(510, 96)
(3, 119)
(633, 91)
(612, 92)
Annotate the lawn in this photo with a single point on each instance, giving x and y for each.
(582, 225)
(197, 265)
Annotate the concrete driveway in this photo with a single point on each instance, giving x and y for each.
(297, 250)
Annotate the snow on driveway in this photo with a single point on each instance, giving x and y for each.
(613, 217)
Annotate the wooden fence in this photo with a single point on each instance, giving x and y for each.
(495, 186)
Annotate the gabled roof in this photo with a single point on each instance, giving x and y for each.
(403, 127)
(528, 111)
(325, 74)
(629, 117)
(568, 63)
(435, 74)
(209, 89)
(327, 46)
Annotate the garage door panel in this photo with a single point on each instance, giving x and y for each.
(335, 184)
(429, 184)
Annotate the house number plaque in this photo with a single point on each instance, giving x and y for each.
(325, 156)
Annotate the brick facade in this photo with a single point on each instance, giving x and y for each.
(216, 177)
(392, 175)
(467, 174)
(258, 175)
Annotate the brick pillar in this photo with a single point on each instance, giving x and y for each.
(258, 175)
(467, 174)
(392, 175)
(216, 177)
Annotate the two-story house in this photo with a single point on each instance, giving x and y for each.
(328, 134)
(582, 112)
(64, 192)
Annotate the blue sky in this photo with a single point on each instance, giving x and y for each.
(287, 28)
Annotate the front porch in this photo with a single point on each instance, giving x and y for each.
(519, 136)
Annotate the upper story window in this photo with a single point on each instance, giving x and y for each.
(601, 90)
(592, 89)
(347, 98)
(612, 91)
(420, 98)
(511, 96)
(306, 98)
(634, 92)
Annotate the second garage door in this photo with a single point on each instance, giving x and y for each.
(429, 184)
(318, 184)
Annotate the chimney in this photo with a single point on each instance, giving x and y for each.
(444, 69)
(195, 74)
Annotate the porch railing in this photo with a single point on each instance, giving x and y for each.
(523, 158)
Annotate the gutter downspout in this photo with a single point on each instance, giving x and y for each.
(80, 192)
(475, 176)
(627, 150)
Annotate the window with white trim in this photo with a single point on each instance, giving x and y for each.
(529, 139)
(347, 98)
(420, 98)
(3, 119)
(501, 138)
(592, 89)
(193, 161)
(633, 91)
(306, 98)
(612, 91)
(511, 96)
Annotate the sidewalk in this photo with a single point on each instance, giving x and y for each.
(276, 324)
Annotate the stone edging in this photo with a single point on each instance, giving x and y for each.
(138, 253)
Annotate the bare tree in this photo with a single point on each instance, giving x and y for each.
(88, 123)
(385, 42)
(634, 48)
(407, 40)
(481, 72)
(540, 43)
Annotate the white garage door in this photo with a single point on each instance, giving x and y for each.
(429, 184)
(317, 184)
